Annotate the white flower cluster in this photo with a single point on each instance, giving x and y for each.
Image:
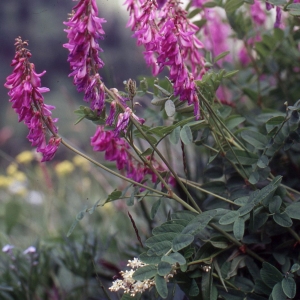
(131, 286)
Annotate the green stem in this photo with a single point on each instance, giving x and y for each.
(137, 125)
(240, 145)
(203, 260)
(111, 171)
(170, 192)
(236, 242)
(196, 186)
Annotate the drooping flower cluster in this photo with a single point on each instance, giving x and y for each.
(28, 102)
(84, 31)
(169, 40)
(116, 149)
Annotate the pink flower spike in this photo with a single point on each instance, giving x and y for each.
(84, 30)
(28, 102)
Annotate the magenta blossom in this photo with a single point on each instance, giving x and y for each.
(117, 149)
(28, 102)
(258, 15)
(84, 29)
(169, 40)
(216, 34)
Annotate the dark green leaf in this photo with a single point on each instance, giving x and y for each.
(254, 177)
(164, 228)
(234, 121)
(128, 297)
(150, 260)
(220, 56)
(277, 292)
(186, 215)
(294, 9)
(256, 139)
(274, 122)
(181, 241)
(206, 285)
(161, 286)
(169, 236)
(159, 101)
(214, 172)
(295, 268)
(263, 162)
(199, 222)
(219, 242)
(155, 208)
(175, 135)
(164, 268)
(270, 275)
(194, 289)
(224, 111)
(243, 157)
(194, 12)
(275, 204)
(239, 228)
(293, 210)
(74, 224)
(283, 219)
(245, 209)
(174, 258)
(160, 248)
(170, 108)
(259, 220)
(144, 273)
(162, 90)
(229, 218)
(115, 195)
(147, 152)
(210, 4)
(186, 135)
(231, 73)
(289, 287)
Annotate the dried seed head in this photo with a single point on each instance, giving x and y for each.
(131, 87)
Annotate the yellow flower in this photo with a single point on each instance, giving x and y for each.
(19, 176)
(64, 168)
(12, 169)
(81, 162)
(5, 182)
(25, 157)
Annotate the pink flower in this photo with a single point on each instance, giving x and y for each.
(28, 102)
(169, 40)
(258, 15)
(216, 33)
(84, 29)
(116, 149)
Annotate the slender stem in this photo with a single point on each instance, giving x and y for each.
(137, 125)
(111, 171)
(294, 234)
(236, 242)
(196, 186)
(220, 121)
(202, 260)
(170, 192)
(227, 282)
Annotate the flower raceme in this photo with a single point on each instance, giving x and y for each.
(84, 30)
(116, 149)
(28, 102)
(169, 40)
